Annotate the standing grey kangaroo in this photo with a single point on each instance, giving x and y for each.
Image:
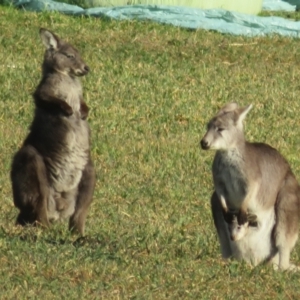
(251, 179)
(52, 174)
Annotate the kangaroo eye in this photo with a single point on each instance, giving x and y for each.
(220, 129)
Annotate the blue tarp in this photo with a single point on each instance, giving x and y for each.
(211, 19)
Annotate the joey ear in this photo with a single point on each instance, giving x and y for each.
(228, 108)
(242, 113)
(49, 39)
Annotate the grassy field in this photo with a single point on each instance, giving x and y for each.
(151, 90)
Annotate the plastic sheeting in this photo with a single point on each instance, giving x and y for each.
(212, 19)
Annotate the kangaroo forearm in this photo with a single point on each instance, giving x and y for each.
(251, 197)
(84, 110)
(51, 102)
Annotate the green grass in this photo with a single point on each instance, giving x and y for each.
(293, 15)
(151, 90)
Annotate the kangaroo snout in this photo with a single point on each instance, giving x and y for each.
(235, 232)
(232, 237)
(204, 144)
(82, 72)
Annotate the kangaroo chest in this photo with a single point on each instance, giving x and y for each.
(229, 180)
(70, 90)
(72, 155)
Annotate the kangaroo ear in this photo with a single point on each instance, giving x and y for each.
(50, 40)
(242, 113)
(228, 108)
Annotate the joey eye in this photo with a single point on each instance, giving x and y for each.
(220, 129)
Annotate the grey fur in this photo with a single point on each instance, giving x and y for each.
(255, 179)
(52, 174)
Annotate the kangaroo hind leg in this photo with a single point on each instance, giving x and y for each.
(30, 186)
(84, 199)
(287, 211)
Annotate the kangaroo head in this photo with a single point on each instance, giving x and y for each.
(236, 231)
(225, 130)
(61, 56)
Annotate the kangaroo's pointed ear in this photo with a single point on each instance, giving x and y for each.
(228, 108)
(50, 40)
(242, 113)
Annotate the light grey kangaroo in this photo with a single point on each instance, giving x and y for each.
(251, 179)
(52, 174)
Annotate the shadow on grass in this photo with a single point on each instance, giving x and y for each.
(60, 237)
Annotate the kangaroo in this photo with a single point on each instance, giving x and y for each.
(237, 231)
(52, 174)
(255, 179)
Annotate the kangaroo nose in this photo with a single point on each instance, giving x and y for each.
(204, 144)
(87, 68)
